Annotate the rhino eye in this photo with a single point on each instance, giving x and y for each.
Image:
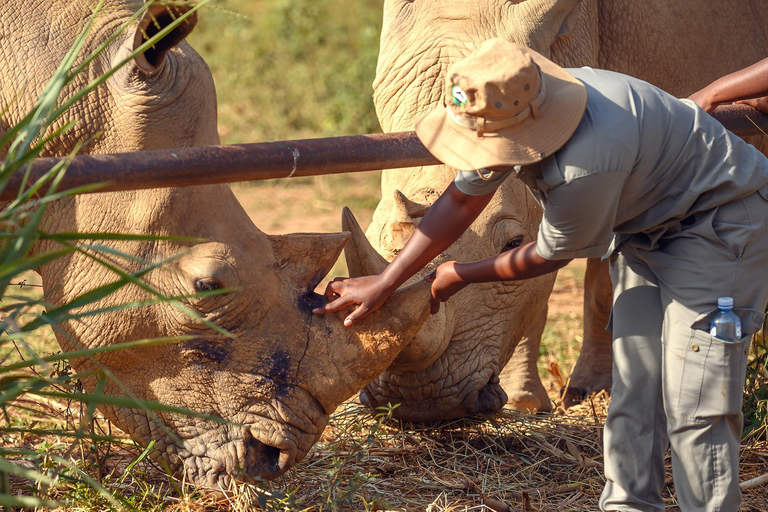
(199, 351)
(206, 284)
(515, 242)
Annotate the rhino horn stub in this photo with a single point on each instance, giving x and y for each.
(362, 258)
(406, 310)
(306, 258)
(156, 17)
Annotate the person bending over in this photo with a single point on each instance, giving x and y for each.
(626, 172)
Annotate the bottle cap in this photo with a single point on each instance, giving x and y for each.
(725, 302)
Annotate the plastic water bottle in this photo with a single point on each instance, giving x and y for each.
(725, 324)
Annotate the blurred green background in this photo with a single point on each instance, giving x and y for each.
(295, 69)
(288, 69)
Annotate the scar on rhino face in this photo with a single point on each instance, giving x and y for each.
(280, 364)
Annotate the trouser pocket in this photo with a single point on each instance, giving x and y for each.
(710, 372)
(714, 375)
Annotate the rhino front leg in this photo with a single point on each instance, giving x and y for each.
(592, 371)
(520, 377)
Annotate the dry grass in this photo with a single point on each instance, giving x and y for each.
(508, 461)
(500, 462)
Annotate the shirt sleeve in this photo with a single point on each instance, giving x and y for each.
(580, 217)
(480, 182)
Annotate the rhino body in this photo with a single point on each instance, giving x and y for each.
(285, 370)
(679, 46)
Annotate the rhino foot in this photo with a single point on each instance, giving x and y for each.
(525, 392)
(576, 393)
(529, 400)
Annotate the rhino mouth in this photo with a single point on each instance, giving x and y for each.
(261, 450)
(477, 393)
(265, 461)
(261, 442)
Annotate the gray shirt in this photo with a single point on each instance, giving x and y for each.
(639, 162)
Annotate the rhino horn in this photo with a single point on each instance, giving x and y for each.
(306, 258)
(362, 258)
(406, 310)
(426, 342)
(156, 17)
(405, 316)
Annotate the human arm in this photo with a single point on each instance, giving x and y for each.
(517, 264)
(748, 86)
(447, 219)
(578, 222)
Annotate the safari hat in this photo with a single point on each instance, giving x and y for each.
(505, 104)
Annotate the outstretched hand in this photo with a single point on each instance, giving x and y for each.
(367, 292)
(760, 104)
(446, 282)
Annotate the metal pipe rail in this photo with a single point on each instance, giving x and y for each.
(283, 159)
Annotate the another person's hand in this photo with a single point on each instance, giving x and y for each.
(445, 284)
(705, 98)
(760, 104)
(367, 292)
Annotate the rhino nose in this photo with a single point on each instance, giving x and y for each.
(265, 461)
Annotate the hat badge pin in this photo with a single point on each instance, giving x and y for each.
(459, 96)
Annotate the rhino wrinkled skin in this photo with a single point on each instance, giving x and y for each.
(285, 370)
(679, 46)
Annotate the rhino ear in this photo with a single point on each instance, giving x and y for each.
(305, 259)
(155, 18)
(541, 22)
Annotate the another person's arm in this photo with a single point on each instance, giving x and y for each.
(442, 225)
(748, 86)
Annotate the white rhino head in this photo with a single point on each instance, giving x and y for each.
(453, 368)
(485, 326)
(283, 370)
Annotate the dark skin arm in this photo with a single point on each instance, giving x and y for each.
(519, 263)
(443, 224)
(748, 86)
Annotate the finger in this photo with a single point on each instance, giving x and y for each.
(434, 305)
(332, 306)
(356, 315)
(434, 302)
(333, 290)
(431, 276)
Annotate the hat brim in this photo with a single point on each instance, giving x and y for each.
(525, 143)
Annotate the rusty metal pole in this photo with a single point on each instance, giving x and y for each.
(284, 159)
(206, 165)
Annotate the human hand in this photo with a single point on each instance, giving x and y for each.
(760, 104)
(445, 284)
(703, 99)
(367, 292)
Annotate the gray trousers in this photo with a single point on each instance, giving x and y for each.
(674, 385)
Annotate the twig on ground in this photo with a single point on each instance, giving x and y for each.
(754, 482)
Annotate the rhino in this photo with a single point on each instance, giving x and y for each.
(269, 386)
(483, 344)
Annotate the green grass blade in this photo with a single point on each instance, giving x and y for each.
(150, 342)
(130, 403)
(6, 500)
